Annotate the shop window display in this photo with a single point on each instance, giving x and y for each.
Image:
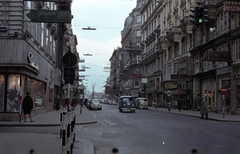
(37, 92)
(13, 93)
(2, 82)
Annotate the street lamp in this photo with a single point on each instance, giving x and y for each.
(89, 28)
(87, 54)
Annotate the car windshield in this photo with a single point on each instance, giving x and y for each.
(128, 99)
(143, 100)
(95, 101)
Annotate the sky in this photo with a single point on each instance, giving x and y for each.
(108, 17)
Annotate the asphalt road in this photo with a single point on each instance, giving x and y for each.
(150, 132)
(154, 132)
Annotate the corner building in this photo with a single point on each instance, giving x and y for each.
(27, 58)
(215, 57)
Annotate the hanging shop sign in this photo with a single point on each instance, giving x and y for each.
(170, 85)
(231, 6)
(216, 56)
(31, 63)
(179, 76)
(134, 76)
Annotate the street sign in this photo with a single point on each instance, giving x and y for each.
(3, 29)
(169, 93)
(50, 16)
(216, 56)
(223, 89)
(69, 59)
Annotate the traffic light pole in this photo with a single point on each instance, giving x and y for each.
(69, 86)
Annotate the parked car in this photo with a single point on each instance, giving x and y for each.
(95, 104)
(141, 103)
(126, 103)
(88, 103)
(114, 102)
(105, 100)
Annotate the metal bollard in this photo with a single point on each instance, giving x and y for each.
(72, 127)
(61, 121)
(64, 133)
(68, 131)
(74, 120)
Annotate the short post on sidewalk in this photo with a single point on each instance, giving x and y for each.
(64, 133)
(61, 121)
(68, 131)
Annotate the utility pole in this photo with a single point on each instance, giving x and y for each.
(60, 27)
(61, 30)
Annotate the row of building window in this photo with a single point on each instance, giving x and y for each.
(39, 30)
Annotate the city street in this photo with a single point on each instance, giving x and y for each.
(149, 131)
(143, 132)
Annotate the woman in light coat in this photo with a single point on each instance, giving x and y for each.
(203, 109)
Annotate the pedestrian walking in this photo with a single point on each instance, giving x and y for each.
(203, 109)
(27, 106)
(179, 104)
(184, 104)
(57, 102)
(74, 102)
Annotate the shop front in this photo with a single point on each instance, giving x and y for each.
(171, 93)
(13, 88)
(208, 92)
(236, 105)
(224, 80)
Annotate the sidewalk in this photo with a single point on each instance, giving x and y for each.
(22, 143)
(211, 115)
(52, 118)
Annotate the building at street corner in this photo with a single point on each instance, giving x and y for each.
(28, 59)
(128, 65)
(166, 35)
(216, 54)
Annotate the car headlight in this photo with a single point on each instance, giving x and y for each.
(124, 104)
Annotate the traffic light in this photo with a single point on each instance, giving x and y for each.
(194, 15)
(69, 74)
(202, 15)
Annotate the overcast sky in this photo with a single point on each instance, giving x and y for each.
(108, 17)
